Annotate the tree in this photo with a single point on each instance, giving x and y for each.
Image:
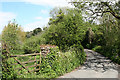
(66, 28)
(107, 13)
(89, 35)
(34, 32)
(44, 28)
(57, 15)
(98, 8)
(110, 32)
(12, 36)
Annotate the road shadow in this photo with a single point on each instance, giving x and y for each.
(98, 62)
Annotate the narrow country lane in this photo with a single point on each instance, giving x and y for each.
(96, 66)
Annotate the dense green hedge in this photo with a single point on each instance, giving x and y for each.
(55, 64)
(33, 44)
(58, 63)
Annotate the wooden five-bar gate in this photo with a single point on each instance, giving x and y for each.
(34, 58)
(30, 62)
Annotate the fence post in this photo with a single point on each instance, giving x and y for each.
(35, 62)
(40, 60)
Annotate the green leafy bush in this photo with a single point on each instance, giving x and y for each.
(66, 28)
(33, 44)
(7, 69)
(56, 63)
(97, 48)
(12, 36)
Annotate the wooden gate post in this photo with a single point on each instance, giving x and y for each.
(40, 60)
(35, 62)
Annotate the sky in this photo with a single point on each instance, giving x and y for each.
(30, 14)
